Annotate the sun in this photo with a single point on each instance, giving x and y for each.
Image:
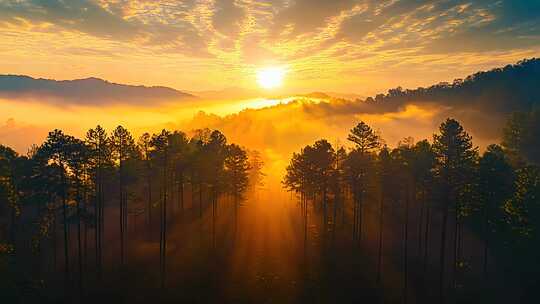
(271, 77)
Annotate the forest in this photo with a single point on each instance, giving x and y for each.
(269, 152)
(61, 203)
(111, 217)
(458, 224)
(500, 90)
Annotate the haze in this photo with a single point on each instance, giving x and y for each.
(291, 116)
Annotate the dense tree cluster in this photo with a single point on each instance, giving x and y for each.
(68, 183)
(441, 193)
(501, 90)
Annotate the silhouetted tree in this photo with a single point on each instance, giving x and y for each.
(385, 171)
(495, 185)
(9, 197)
(77, 161)
(456, 159)
(358, 166)
(56, 150)
(179, 150)
(123, 149)
(256, 174)
(237, 170)
(99, 159)
(145, 148)
(521, 136)
(160, 144)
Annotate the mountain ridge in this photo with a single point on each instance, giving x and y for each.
(91, 90)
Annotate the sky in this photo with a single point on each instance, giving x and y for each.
(362, 47)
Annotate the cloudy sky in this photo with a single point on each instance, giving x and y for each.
(361, 46)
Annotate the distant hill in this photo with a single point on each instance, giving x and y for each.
(482, 101)
(89, 91)
(515, 87)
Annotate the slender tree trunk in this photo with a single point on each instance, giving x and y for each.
(54, 239)
(85, 233)
(121, 215)
(79, 241)
(456, 246)
(235, 212)
(192, 189)
(379, 260)
(343, 206)
(102, 231)
(360, 217)
(325, 217)
(426, 240)
(305, 215)
(66, 227)
(200, 199)
(164, 225)
(214, 219)
(406, 248)
(149, 185)
(355, 212)
(181, 192)
(442, 252)
(126, 227)
(97, 214)
(421, 222)
(334, 216)
(13, 226)
(486, 240)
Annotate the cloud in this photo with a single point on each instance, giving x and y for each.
(226, 39)
(80, 15)
(307, 16)
(138, 22)
(228, 17)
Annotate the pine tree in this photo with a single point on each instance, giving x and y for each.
(358, 164)
(99, 160)
(456, 158)
(123, 149)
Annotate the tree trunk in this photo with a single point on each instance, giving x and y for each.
(421, 222)
(379, 260)
(456, 240)
(360, 205)
(163, 234)
(325, 218)
(200, 199)
(85, 242)
(79, 241)
(149, 185)
(214, 219)
(426, 240)
(486, 240)
(121, 215)
(54, 239)
(181, 192)
(66, 227)
(102, 231)
(406, 248)
(126, 227)
(355, 212)
(334, 216)
(235, 212)
(442, 252)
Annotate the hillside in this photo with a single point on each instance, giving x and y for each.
(511, 88)
(85, 91)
